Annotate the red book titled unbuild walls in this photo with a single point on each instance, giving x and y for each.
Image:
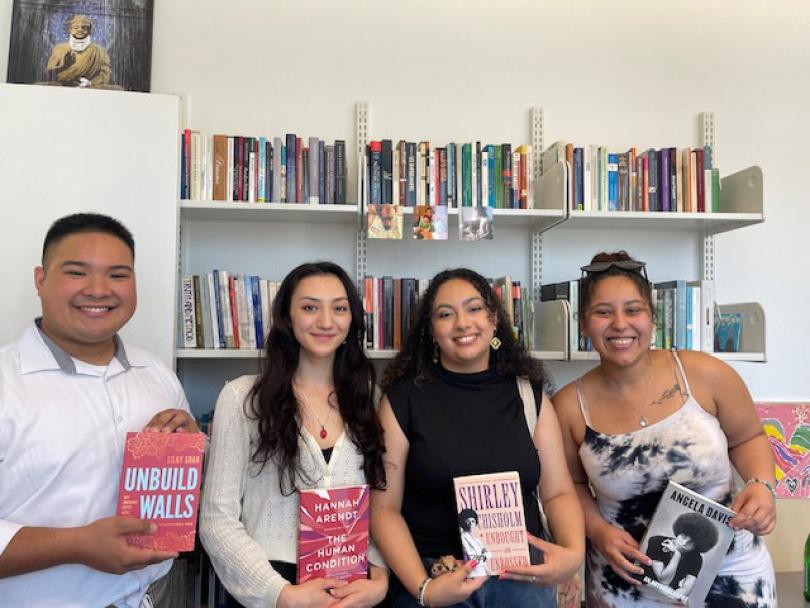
(160, 481)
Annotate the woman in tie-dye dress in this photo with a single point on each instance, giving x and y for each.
(643, 417)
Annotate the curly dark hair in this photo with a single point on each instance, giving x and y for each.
(698, 528)
(588, 283)
(415, 359)
(272, 400)
(464, 515)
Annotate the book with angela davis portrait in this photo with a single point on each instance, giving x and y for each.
(687, 539)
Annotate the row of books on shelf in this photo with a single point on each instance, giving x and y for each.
(223, 310)
(456, 175)
(262, 169)
(669, 179)
(390, 303)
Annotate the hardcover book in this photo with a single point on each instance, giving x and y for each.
(687, 539)
(160, 481)
(333, 533)
(491, 521)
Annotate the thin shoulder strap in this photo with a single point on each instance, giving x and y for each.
(583, 406)
(530, 411)
(680, 370)
(529, 405)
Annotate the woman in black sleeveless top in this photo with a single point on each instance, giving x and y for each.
(453, 407)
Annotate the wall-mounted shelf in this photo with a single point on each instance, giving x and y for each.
(740, 206)
(267, 212)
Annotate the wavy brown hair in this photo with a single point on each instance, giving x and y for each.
(415, 360)
(272, 401)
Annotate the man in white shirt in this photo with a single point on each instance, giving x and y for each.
(69, 392)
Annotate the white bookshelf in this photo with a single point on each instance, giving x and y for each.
(270, 238)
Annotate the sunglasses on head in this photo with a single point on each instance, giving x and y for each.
(629, 265)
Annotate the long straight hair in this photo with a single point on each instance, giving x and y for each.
(272, 401)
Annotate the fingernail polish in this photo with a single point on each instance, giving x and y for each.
(473, 563)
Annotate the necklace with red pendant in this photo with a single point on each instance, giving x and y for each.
(308, 406)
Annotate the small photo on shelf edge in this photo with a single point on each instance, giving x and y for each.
(475, 224)
(101, 44)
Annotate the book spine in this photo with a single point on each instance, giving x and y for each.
(213, 298)
(700, 181)
(340, 172)
(291, 167)
(322, 171)
(198, 322)
(314, 170)
(189, 325)
(466, 168)
(375, 172)
(261, 185)
(386, 172)
(663, 179)
(220, 166)
(579, 181)
(652, 178)
(277, 191)
(411, 178)
(329, 188)
(613, 182)
(506, 174)
(300, 168)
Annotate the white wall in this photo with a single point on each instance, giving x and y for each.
(65, 151)
(616, 73)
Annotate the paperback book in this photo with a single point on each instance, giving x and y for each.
(160, 481)
(333, 533)
(491, 521)
(687, 539)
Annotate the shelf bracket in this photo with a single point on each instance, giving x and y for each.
(537, 263)
(708, 138)
(536, 118)
(362, 121)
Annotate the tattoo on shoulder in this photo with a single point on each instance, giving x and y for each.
(675, 389)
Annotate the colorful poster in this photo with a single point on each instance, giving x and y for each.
(787, 426)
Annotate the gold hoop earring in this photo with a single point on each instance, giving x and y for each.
(495, 343)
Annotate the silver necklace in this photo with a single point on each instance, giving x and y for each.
(642, 414)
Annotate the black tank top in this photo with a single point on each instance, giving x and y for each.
(460, 424)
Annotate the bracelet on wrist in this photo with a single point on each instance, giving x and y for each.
(765, 483)
(420, 597)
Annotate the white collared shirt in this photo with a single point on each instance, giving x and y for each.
(62, 429)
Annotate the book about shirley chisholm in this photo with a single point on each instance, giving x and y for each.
(491, 521)
(333, 533)
(687, 539)
(160, 481)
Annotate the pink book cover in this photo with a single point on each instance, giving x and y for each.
(491, 521)
(160, 481)
(333, 533)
